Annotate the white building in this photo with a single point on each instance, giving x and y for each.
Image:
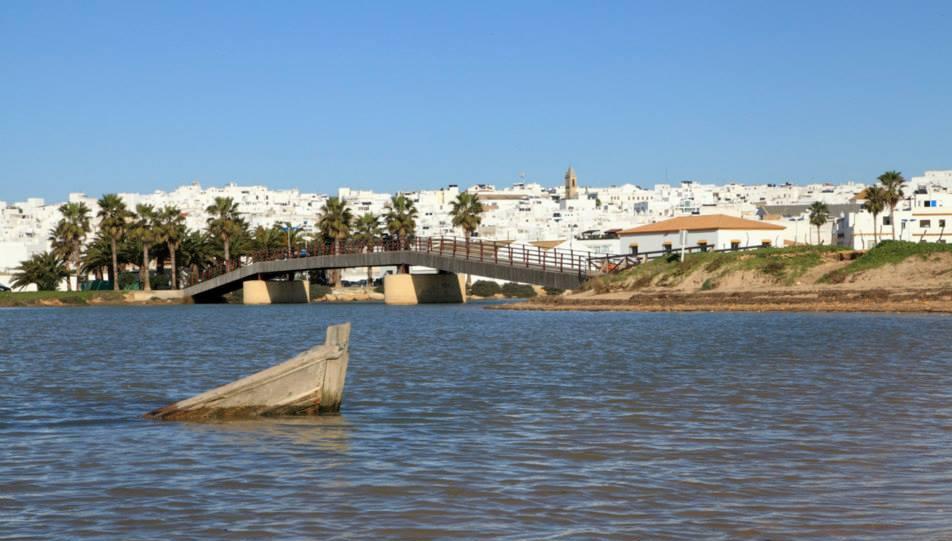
(532, 213)
(924, 216)
(715, 231)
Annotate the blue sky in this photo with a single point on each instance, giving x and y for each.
(137, 96)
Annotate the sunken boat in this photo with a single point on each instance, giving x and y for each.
(310, 383)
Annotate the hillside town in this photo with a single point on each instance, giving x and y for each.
(601, 220)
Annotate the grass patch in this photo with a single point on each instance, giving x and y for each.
(69, 298)
(887, 252)
(782, 265)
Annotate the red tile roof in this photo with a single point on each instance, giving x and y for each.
(707, 222)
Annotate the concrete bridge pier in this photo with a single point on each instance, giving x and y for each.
(274, 292)
(407, 289)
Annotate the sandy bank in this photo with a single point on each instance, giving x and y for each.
(90, 298)
(776, 300)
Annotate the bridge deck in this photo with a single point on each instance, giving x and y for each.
(550, 268)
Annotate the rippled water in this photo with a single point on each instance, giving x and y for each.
(463, 422)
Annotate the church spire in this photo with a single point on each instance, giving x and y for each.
(571, 184)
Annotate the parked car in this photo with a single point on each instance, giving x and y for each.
(4, 288)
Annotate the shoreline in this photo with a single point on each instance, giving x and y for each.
(66, 299)
(925, 300)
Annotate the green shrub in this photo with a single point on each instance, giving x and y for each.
(775, 268)
(553, 291)
(378, 289)
(715, 264)
(708, 285)
(128, 280)
(834, 277)
(519, 291)
(485, 288)
(318, 291)
(161, 281)
(887, 252)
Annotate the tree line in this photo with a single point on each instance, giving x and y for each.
(145, 235)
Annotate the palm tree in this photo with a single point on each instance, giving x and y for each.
(367, 230)
(892, 182)
(145, 230)
(467, 213)
(267, 240)
(44, 269)
(97, 258)
(69, 235)
(113, 222)
(401, 222)
(225, 223)
(171, 231)
(875, 204)
(334, 222)
(819, 215)
(61, 245)
(197, 253)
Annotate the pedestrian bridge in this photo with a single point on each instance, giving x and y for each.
(562, 269)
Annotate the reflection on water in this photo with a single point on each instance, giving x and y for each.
(327, 433)
(461, 422)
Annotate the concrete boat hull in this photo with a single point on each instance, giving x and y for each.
(310, 383)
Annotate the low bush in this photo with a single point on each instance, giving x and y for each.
(161, 281)
(319, 290)
(519, 291)
(485, 288)
(553, 291)
(128, 280)
(774, 267)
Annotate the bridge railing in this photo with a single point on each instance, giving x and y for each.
(505, 253)
(487, 251)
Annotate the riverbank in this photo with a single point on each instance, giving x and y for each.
(345, 295)
(893, 277)
(768, 300)
(11, 299)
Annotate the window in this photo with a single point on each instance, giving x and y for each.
(633, 247)
(941, 224)
(735, 245)
(667, 246)
(887, 220)
(765, 243)
(702, 244)
(925, 224)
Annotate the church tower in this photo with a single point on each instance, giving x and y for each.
(571, 184)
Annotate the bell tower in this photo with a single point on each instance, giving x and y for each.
(571, 184)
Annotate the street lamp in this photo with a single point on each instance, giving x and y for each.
(288, 228)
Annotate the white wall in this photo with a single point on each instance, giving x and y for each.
(858, 226)
(716, 239)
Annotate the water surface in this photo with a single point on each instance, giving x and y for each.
(463, 422)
